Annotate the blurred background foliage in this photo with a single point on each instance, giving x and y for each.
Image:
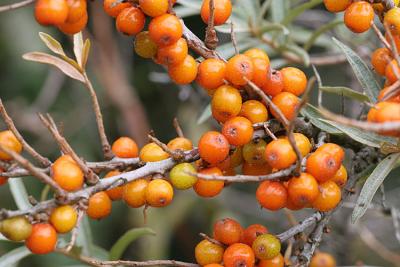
(137, 95)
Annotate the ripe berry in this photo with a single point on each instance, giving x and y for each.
(391, 69)
(74, 27)
(256, 169)
(211, 73)
(134, 193)
(213, 147)
(209, 188)
(236, 158)
(302, 143)
(340, 177)
(303, 190)
(396, 38)
(277, 261)
(8, 140)
(336, 5)
(154, 8)
(389, 112)
(255, 111)
(173, 54)
(374, 110)
(294, 81)
(260, 71)
(287, 103)
(322, 166)
(99, 206)
(114, 193)
(335, 150)
(392, 19)
(227, 231)
(322, 259)
(125, 147)
(144, 46)
(16, 228)
(180, 143)
(251, 233)
(159, 193)
(274, 83)
(292, 206)
(266, 247)
(359, 16)
(328, 198)
(226, 103)
(238, 255)
(279, 154)
(113, 9)
(272, 195)
(213, 265)
(180, 176)
(184, 72)
(257, 53)
(238, 68)
(238, 131)
(3, 179)
(383, 92)
(130, 21)
(208, 253)
(51, 12)
(67, 174)
(165, 29)
(222, 11)
(43, 239)
(380, 59)
(63, 218)
(76, 10)
(254, 152)
(152, 152)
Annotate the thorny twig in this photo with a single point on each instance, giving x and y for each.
(178, 128)
(211, 39)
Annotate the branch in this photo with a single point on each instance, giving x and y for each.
(16, 5)
(146, 263)
(305, 224)
(211, 39)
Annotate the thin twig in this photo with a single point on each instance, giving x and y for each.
(175, 154)
(380, 36)
(233, 38)
(211, 39)
(178, 128)
(16, 5)
(146, 263)
(75, 231)
(212, 240)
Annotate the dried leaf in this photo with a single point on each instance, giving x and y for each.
(52, 43)
(78, 47)
(85, 53)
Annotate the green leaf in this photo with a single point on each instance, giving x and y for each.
(321, 30)
(279, 9)
(205, 115)
(250, 8)
(52, 43)
(100, 253)
(268, 27)
(312, 113)
(195, 4)
(345, 91)
(14, 256)
(263, 10)
(361, 70)
(123, 242)
(19, 193)
(85, 239)
(85, 53)
(185, 11)
(295, 12)
(372, 184)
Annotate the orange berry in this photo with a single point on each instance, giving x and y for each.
(251, 233)
(152, 152)
(238, 69)
(74, 27)
(51, 12)
(287, 103)
(272, 195)
(392, 19)
(213, 147)
(322, 259)
(279, 154)
(335, 150)
(383, 92)
(165, 29)
(113, 9)
(371, 117)
(323, 166)
(222, 11)
(328, 198)
(392, 69)
(302, 143)
(184, 72)
(380, 59)
(256, 169)
(154, 8)
(359, 16)
(274, 83)
(260, 72)
(277, 261)
(159, 193)
(8, 140)
(76, 10)
(226, 103)
(238, 255)
(254, 152)
(387, 113)
(336, 5)
(340, 177)
(303, 190)
(67, 174)
(99, 206)
(130, 21)
(396, 39)
(294, 81)
(213, 265)
(208, 253)
(255, 111)
(180, 143)
(114, 193)
(257, 53)
(144, 46)
(173, 54)
(211, 73)
(227, 231)
(292, 206)
(209, 188)
(238, 131)
(134, 193)
(125, 147)
(43, 239)
(63, 218)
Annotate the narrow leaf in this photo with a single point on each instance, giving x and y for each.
(123, 242)
(295, 12)
(279, 9)
(372, 184)
(85, 240)
(300, 52)
(52, 43)
(78, 47)
(268, 27)
(14, 256)
(19, 193)
(205, 115)
(314, 116)
(62, 65)
(321, 30)
(361, 70)
(345, 91)
(85, 53)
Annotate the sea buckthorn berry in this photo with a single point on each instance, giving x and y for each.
(292, 206)
(144, 46)
(76, 10)
(51, 12)
(165, 29)
(74, 27)
(113, 9)
(226, 103)
(173, 54)
(287, 103)
(236, 158)
(152, 152)
(16, 228)
(222, 11)
(256, 169)
(260, 71)
(335, 150)
(389, 112)
(323, 166)
(371, 117)
(392, 19)
(130, 21)
(209, 188)
(322, 259)
(274, 84)
(154, 8)
(257, 53)
(63, 218)
(114, 193)
(303, 190)
(159, 193)
(239, 255)
(396, 39)
(3, 179)
(208, 253)
(227, 231)
(359, 16)
(211, 73)
(254, 152)
(134, 193)
(391, 69)
(302, 143)
(8, 140)
(336, 5)
(294, 80)
(255, 111)
(238, 131)
(181, 177)
(328, 198)
(99, 206)
(125, 147)
(181, 143)
(238, 69)
(67, 174)
(184, 72)
(213, 265)
(340, 177)
(266, 247)
(383, 92)
(272, 195)
(277, 261)
(250, 233)
(213, 147)
(43, 239)
(380, 59)
(279, 154)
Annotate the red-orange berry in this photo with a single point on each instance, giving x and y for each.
(340, 177)
(125, 147)
(211, 73)
(322, 259)
(222, 11)
(51, 12)
(238, 131)
(274, 84)
(99, 206)
(239, 69)
(130, 21)
(303, 190)
(294, 80)
(113, 9)
(380, 59)
(226, 103)
(392, 70)
(227, 231)
(165, 29)
(208, 253)
(184, 72)
(287, 103)
(277, 261)
(74, 27)
(257, 53)
(260, 71)
(173, 54)
(328, 198)
(238, 255)
(302, 143)
(76, 10)
(392, 19)
(335, 150)
(395, 98)
(134, 193)
(209, 188)
(8, 140)
(251, 233)
(43, 239)
(3, 179)
(279, 154)
(272, 195)
(67, 174)
(154, 8)
(114, 193)
(256, 169)
(359, 16)
(323, 166)
(159, 193)
(336, 5)
(213, 147)
(255, 111)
